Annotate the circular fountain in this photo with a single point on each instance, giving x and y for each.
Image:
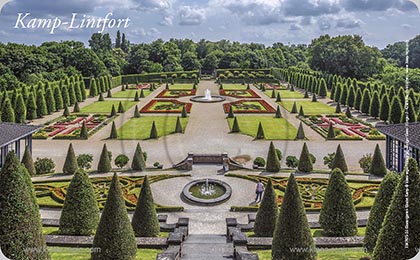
(207, 98)
(207, 192)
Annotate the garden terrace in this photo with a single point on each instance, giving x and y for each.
(309, 108)
(181, 86)
(139, 128)
(130, 93)
(248, 93)
(285, 94)
(249, 106)
(274, 128)
(105, 107)
(166, 106)
(176, 93)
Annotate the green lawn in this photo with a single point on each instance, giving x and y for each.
(234, 86)
(54, 231)
(326, 254)
(139, 128)
(274, 128)
(285, 93)
(181, 86)
(106, 106)
(317, 232)
(73, 253)
(130, 93)
(309, 108)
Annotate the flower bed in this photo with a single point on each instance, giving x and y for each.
(165, 106)
(270, 86)
(143, 86)
(176, 93)
(248, 93)
(249, 106)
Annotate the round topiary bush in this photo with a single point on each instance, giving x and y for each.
(259, 161)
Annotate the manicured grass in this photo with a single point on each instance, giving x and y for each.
(181, 86)
(325, 254)
(54, 231)
(72, 253)
(274, 128)
(131, 93)
(139, 128)
(285, 94)
(309, 108)
(106, 106)
(234, 86)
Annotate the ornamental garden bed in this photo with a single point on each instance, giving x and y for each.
(168, 93)
(166, 106)
(52, 193)
(234, 86)
(344, 128)
(70, 127)
(249, 106)
(139, 128)
(130, 93)
(247, 93)
(313, 191)
(285, 94)
(309, 108)
(105, 107)
(181, 86)
(274, 128)
(271, 86)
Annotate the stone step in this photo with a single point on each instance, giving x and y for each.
(206, 247)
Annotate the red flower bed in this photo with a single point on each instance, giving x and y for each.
(271, 86)
(143, 86)
(267, 107)
(148, 107)
(232, 93)
(180, 93)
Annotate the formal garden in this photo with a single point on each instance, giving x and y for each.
(249, 106)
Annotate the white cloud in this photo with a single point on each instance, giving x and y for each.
(166, 21)
(191, 15)
(153, 5)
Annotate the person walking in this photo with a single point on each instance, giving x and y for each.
(259, 191)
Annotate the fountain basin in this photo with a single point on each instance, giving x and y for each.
(204, 99)
(193, 192)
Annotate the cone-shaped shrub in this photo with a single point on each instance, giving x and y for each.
(278, 98)
(83, 131)
(101, 97)
(331, 132)
(113, 134)
(113, 111)
(136, 97)
(292, 229)
(348, 112)
(120, 108)
(338, 215)
(178, 126)
(314, 99)
(396, 111)
(306, 94)
(153, 131)
(378, 167)
(260, 132)
(114, 236)
(136, 112)
(30, 107)
(76, 108)
(294, 108)
(230, 113)
(20, 110)
(28, 162)
(70, 165)
(391, 239)
(273, 162)
(184, 113)
(278, 113)
(20, 222)
(80, 214)
(305, 161)
(338, 108)
(145, 222)
(265, 221)
(235, 126)
(104, 164)
(66, 112)
(379, 209)
(141, 93)
(109, 94)
(384, 110)
(301, 113)
(300, 133)
(273, 94)
(339, 160)
(138, 163)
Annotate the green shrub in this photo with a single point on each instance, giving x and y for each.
(331, 132)
(230, 113)
(70, 165)
(260, 132)
(278, 113)
(44, 166)
(184, 113)
(305, 161)
(113, 134)
(294, 108)
(273, 162)
(113, 111)
(153, 131)
(378, 167)
(178, 126)
(84, 161)
(139, 160)
(136, 112)
(292, 161)
(259, 161)
(300, 133)
(84, 132)
(120, 108)
(339, 160)
(365, 162)
(104, 164)
(235, 126)
(28, 162)
(121, 160)
(265, 221)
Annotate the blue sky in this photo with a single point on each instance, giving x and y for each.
(380, 22)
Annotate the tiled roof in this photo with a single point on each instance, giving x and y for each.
(10, 132)
(397, 131)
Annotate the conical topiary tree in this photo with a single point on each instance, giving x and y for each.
(101, 97)
(273, 94)
(314, 99)
(378, 167)
(113, 111)
(338, 215)
(104, 164)
(338, 108)
(114, 235)
(339, 160)
(278, 113)
(300, 133)
(80, 214)
(391, 243)
(379, 209)
(70, 165)
(66, 112)
(121, 108)
(20, 110)
(145, 222)
(184, 113)
(28, 162)
(235, 126)
(230, 113)
(260, 132)
(331, 132)
(153, 131)
(273, 162)
(141, 93)
(136, 97)
(113, 134)
(294, 108)
(265, 221)
(348, 112)
(278, 98)
(83, 131)
(396, 111)
(305, 161)
(109, 94)
(136, 112)
(76, 108)
(178, 126)
(138, 163)
(20, 222)
(306, 95)
(384, 110)
(292, 229)
(301, 113)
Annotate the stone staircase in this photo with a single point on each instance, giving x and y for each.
(207, 247)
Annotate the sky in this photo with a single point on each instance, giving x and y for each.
(379, 22)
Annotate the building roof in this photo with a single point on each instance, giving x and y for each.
(10, 132)
(397, 131)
